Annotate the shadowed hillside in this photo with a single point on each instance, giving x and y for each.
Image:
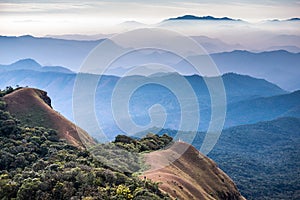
(262, 158)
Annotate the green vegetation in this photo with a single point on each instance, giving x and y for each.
(125, 154)
(151, 142)
(262, 159)
(36, 164)
(8, 90)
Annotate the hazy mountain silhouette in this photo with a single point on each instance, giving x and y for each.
(279, 67)
(47, 51)
(60, 86)
(193, 17)
(30, 64)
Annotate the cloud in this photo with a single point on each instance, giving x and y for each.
(96, 15)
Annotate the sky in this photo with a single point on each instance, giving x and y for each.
(40, 18)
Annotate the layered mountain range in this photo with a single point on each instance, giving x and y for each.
(248, 99)
(258, 146)
(32, 107)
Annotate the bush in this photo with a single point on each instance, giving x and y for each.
(35, 164)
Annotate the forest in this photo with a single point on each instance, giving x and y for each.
(36, 164)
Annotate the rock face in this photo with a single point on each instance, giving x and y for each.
(33, 107)
(43, 95)
(185, 173)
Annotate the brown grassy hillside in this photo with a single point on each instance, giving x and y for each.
(191, 176)
(33, 107)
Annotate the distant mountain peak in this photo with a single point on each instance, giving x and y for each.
(26, 36)
(294, 19)
(132, 22)
(284, 20)
(193, 17)
(26, 63)
(27, 60)
(31, 64)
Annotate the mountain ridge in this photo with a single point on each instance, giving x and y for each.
(179, 178)
(31, 64)
(44, 155)
(210, 18)
(60, 88)
(33, 107)
(263, 109)
(254, 155)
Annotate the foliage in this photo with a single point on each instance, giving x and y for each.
(36, 164)
(8, 90)
(124, 154)
(263, 158)
(151, 142)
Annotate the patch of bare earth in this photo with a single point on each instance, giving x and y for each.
(185, 173)
(33, 107)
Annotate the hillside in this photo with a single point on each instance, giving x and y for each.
(68, 53)
(60, 87)
(263, 109)
(191, 176)
(33, 107)
(36, 164)
(279, 67)
(262, 158)
(30, 64)
(40, 163)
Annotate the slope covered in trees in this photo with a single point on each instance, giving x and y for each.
(36, 164)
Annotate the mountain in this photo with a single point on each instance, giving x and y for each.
(30, 64)
(193, 17)
(79, 37)
(131, 25)
(262, 158)
(60, 88)
(294, 19)
(37, 164)
(191, 176)
(279, 67)
(33, 107)
(48, 51)
(71, 53)
(214, 45)
(263, 109)
(289, 48)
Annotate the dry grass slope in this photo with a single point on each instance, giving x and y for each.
(33, 107)
(191, 176)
